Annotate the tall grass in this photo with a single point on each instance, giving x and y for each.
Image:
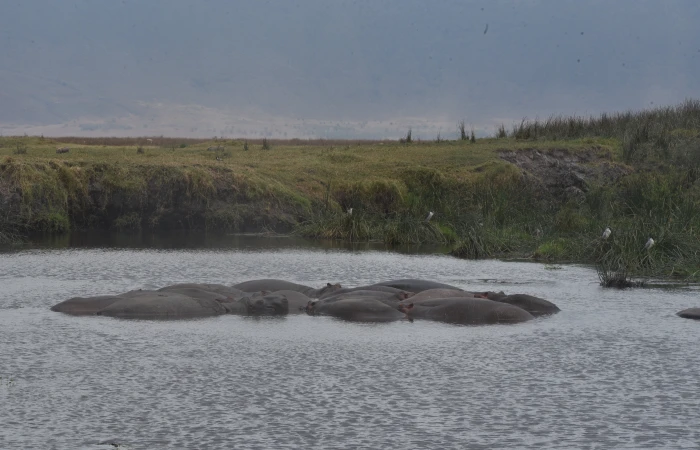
(637, 130)
(9, 230)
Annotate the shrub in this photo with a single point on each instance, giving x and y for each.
(20, 148)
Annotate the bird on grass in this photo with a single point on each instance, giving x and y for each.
(649, 244)
(606, 233)
(430, 216)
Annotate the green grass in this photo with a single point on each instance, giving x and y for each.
(483, 206)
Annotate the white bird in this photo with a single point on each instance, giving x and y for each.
(430, 216)
(649, 244)
(349, 211)
(606, 233)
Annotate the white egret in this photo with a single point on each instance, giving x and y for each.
(606, 233)
(649, 244)
(430, 216)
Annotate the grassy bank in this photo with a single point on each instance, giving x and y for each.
(537, 205)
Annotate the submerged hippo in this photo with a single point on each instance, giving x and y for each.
(431, 294)
(161, 305)
(85, 306)
(194, 289)
(199, 292)
(356, 309)
(390, 298)
(534, 305)
(272, 285)
(176, 302)
(296, 301)
(690, 313)
(466, 311)
(374, 287)
(275, 304)
(413, 285)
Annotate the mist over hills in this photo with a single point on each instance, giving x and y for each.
(337, 69)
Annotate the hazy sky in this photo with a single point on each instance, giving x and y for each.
(335, 68)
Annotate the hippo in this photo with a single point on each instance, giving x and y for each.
(201, 293)
(690, 313)
(357, 309)
(367, 288)
(534, 305)
(161, 305)
(268, 305)
(465, 311)
(416, 286)
(256, 304)
(443, 293)
(193, 288)
(296, 301)
(384, 297)
(272, 285)
(85, 306)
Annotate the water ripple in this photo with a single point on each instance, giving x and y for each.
(615, 369)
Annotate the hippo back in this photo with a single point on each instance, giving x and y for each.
(690, 313)
(431, 294)
(415, 285)
(162, 305)
(384, 297)
(377, 288)
(468, 311)
(296, 301)
(534, 305)
(83, 306)
(271, 285)
(357, 310)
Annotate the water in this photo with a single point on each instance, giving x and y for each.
(615, 369)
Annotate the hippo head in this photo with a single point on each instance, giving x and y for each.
(491, 295)
(269, 305)
(407, 309)
(403, 295)
(328, 288)
(310, 306)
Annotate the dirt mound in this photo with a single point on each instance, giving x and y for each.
(565, 173)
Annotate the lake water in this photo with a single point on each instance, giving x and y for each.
(615, 369)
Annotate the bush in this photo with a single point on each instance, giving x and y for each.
(20, 148)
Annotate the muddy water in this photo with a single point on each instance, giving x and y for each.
(615, 369)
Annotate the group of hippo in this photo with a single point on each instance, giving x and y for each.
(382, 302)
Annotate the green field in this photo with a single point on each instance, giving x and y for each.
(637, 173)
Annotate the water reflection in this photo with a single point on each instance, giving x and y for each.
(204, 240)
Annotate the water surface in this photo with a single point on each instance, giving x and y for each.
(615, 369)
